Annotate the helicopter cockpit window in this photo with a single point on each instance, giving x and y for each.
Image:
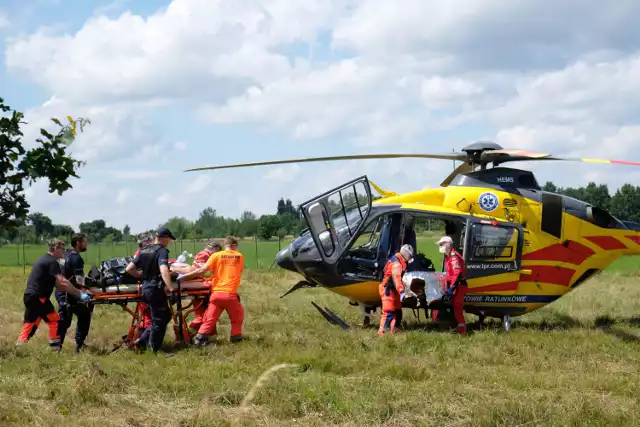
(366, 245)
(336, 219)
(494, 243)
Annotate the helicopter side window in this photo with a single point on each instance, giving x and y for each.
(494, 243)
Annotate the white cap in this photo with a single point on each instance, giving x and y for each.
(445, 239)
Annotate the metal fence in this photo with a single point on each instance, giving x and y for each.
(259, 254)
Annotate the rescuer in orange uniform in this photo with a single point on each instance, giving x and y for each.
(226, 267)
(391, 290)
(455, 281)
(200, 304)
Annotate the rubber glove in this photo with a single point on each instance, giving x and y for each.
(450, 291)
(84, 297)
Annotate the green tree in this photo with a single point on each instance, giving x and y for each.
(597, 195)
(268, 226)
(625, 203)
(179, 226)
(42, 224)
(550, 187)
(49, 159)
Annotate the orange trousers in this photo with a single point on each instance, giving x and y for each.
(37, 309)
(391, 310)
(199, 310)
(218, 303)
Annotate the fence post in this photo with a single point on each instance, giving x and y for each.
(18, 253)
(24, 259)
(255, 238)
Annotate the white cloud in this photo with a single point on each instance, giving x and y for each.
(201, 183)
(124, 195)
(345, 78)
(180, 145)
(4, 21)
(136, 174)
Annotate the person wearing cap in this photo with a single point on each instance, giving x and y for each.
(392, 290)
(455, 280)
(151, 266)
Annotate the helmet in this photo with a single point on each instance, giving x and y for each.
(407, 252)
(445, 243)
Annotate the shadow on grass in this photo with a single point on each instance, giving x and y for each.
(562, 322)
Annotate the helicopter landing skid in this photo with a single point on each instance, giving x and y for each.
(331, 317)
(301, 284)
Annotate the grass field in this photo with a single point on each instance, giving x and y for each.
(575, 362)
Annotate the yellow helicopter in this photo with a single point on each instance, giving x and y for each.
(523, 247)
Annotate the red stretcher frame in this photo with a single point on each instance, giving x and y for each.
(196, 289)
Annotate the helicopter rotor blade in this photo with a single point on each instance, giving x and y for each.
(454, 156)
(510, 155)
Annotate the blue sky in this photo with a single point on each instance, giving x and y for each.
(173, 85)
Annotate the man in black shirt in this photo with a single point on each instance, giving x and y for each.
(151, 265)
(73, 271)
(46, 275)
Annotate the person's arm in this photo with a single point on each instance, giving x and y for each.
(396, 274)
(65, 286)
(163, 263)
(457, 269)
(199, 272)
(76, 269)
(132, 268)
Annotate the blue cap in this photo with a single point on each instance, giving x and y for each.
(164, 232)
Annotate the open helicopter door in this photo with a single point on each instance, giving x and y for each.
(493, 252)
(336, 217)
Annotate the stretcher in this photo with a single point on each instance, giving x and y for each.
(110, 284)
(125, 294)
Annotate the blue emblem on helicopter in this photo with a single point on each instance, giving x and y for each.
(488, 202)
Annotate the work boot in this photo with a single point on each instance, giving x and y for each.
(237, 338)
(462, 329)
(55, 344)
(200, 340)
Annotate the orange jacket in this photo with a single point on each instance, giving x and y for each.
(393, 271)
(226, 267)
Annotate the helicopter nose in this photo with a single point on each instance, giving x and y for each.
(285, 260)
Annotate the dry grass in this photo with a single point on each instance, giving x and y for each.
(576, 362)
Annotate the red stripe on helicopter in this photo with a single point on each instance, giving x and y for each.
(622, 162)
(634, 238)
(607, 243)
(573, 253)
(507, 286)
(549, 274)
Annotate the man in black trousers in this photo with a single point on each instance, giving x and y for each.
(73, 271)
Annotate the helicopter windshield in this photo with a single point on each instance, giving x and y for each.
(336, 216)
